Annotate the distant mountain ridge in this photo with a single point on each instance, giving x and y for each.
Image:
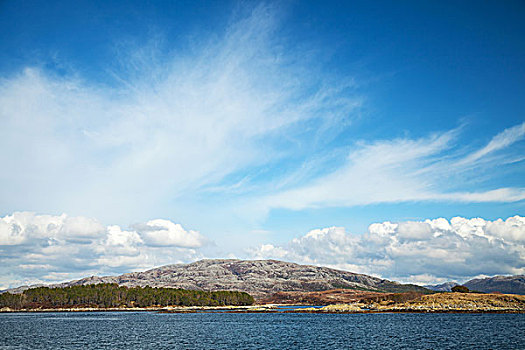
(259, 278)
(501, 284)
(444, 287)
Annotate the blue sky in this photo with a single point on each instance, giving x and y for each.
(254, 124)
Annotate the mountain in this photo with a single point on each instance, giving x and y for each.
(502, 284)
(445, 287)
(260, 278)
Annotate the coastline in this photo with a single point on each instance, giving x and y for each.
(174, 309)
(330, 309)
(261, 310)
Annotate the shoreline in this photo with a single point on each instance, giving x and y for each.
(269, 309)
(177, 309)
(432, 303)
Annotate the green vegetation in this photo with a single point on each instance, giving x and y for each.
(106, 295)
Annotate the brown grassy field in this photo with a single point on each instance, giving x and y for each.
(467, 301)
(439, 302)
(336, 296)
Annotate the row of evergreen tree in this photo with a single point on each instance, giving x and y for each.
(106, 295)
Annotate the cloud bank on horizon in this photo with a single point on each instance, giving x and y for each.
(423, 252)
(260, 123)
(45, 249)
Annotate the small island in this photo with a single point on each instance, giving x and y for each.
(230, 285)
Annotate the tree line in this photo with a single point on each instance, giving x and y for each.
(109, 295)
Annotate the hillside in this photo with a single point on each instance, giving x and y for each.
(444, 287)
(496, 284)
(259, 278)
(501, 284)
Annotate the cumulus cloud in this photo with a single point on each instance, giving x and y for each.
(418, 251)
(22, 227)
(164, 233)
(46, 248)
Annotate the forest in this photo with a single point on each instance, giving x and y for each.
(111, 295)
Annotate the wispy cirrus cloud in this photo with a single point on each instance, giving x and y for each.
(243, 114)
(172, 122)
(502, 140)
(398, 170)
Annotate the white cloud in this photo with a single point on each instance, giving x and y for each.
(414, 231)
(511, 229)
(502, 140)
(24, 226)
(46, 248)
(177, 120)
(379, 172)
(498, 195)
(164, 233)
(422, 252)
(404, 170)
(174, 123)
(118, 237)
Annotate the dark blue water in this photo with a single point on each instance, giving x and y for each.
(148, 330)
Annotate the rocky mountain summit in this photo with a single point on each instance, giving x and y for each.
(259, 278)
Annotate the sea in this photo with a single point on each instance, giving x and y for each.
(153, 330)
